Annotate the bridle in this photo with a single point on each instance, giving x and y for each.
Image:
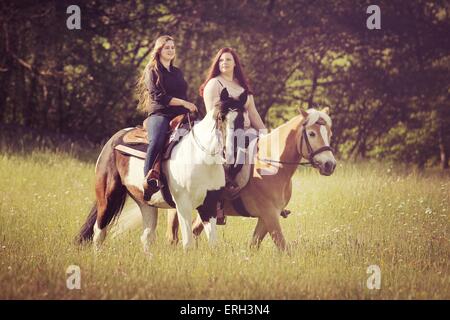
(311, 153)
(198, 142)
(217, 124)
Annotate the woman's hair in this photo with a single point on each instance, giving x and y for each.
(152, 65)
(214, 71)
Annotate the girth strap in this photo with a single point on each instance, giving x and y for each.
(239, 206)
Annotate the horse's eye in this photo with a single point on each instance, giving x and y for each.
(312, 134)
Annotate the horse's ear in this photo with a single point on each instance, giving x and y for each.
(224, 94)
(303, 113)
(326, 110)
(243, 97)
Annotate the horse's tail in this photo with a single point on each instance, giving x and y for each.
(112, 212)
(111, 194)
(87, 230)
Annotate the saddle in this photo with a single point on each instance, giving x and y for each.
(135, 143)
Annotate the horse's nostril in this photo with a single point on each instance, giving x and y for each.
(329, 166)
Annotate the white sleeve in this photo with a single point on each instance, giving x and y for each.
(211, 94)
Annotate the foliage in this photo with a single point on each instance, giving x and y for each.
(388, 89)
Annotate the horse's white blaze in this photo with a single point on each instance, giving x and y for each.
(324, 157)
(324, 134)
(314, 115)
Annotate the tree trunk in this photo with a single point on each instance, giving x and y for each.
(443, 150)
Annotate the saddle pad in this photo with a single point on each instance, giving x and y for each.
(131, 151)
(135, 143)
(137, 135)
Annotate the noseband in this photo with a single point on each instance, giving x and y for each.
(312, 153)
(217, 125)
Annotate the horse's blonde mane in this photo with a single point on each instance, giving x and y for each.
(314, 115)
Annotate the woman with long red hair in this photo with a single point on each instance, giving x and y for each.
(226, 72)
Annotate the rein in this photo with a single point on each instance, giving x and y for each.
(312, 153)
(198, 142)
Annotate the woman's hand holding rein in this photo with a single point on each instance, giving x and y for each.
(190, 106)
(186, 104)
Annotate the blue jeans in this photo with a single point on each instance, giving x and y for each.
(157, 128)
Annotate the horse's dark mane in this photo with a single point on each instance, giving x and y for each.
(227, 102)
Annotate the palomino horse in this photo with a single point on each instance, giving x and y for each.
(266, 195)
(194, 170)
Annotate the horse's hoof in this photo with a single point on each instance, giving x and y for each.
(221, 221)
(284, 213)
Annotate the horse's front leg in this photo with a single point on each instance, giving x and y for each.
(272, 223)
(211, 231)
(172, 226)
(149, 221)
(208, 213)
(259, 234)
(197, 226)
(184, 214)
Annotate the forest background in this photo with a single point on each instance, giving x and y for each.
(388, 89)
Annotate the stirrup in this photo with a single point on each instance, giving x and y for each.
(151, 186)
(221, 219)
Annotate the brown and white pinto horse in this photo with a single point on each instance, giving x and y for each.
(194, 171)
(266, 195)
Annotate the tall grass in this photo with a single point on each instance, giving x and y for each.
(365, 214)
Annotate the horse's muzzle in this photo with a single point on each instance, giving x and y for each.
(327, 168)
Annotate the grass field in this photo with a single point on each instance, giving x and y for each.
(365, 214)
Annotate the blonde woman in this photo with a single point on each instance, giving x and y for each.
(163, 92)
